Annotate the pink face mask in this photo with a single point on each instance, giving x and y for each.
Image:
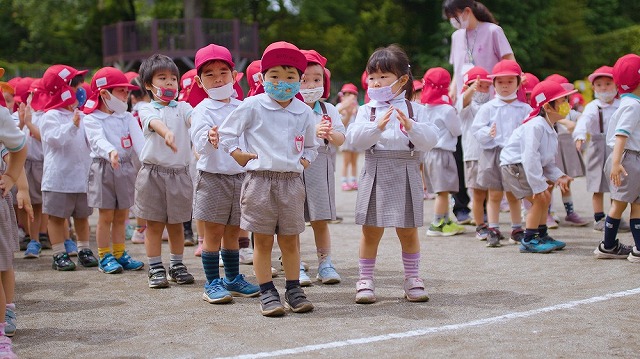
(165, 94)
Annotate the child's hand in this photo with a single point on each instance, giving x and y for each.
(170, 141)
(579, 144)
(243, 157)
(404, 120)
(324, 130)
(24, 113)
(617, 170)
(24, 202)
(6, 184)
(213, 136)
(115, 159)
(467, 96)
(563, 182)
(493, 130)
(382, 122)
(304, 162)
(76, 118)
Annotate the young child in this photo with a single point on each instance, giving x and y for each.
(216, 201)
(348, 107)
(165, 161)
(280, 137)
(319, 176)
(475, 93)
(394, 133)
(624, 163)
(440, 163)
(595, 121)
(65, 152)
(493, 125)
(114, 137)
(528, 162)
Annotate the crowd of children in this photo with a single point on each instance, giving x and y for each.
(265, 164)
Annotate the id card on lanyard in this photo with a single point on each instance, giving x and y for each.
(126, 141)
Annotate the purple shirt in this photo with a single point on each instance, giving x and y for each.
(487, 45)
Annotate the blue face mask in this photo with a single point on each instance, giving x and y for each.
(283, 91)
(81, 96)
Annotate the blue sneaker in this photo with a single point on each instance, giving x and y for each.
(536, 245)
(70, 247)
(109, 264)
(128, 231)
(129, 263)
(33, 249)
(10, 320)
(215, 292)
(557, 244)
(239, 287)
(327, 273)
(305, 281)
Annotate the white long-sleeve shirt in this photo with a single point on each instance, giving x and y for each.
(506, 116)
(470, 145)
(280, 136)
(105, 133)
(207, 114)
(34, 147)
(364, 133)
(626, 122)
(66, 153)
(534, 145)
(177, 117)
(589, 122)
(448, 123)
(10, 134)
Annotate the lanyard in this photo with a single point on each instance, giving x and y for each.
(469, 55)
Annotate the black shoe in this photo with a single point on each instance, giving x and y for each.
(44, 241)
(189, 241)
(62, 262)
(178, 273)
(158, 278)
(86, 258)
(297, 300)
(24, 242)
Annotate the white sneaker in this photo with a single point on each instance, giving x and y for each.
(305, 281)
(165, 235)
(246, 255)
(138, 237)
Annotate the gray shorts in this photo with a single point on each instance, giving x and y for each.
(217, 198)
(489, 174)
(515, 181)
(65, 205)
(272, 203)
(629, 190)
(163, 194)
(33, 171)
(471, 175)
(109, 188)
(443, 172)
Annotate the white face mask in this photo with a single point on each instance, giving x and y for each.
(220, 93)
(459, 23)
(382, 94)
(312, 95)
(481, 97)
(606, 96)
(115, 104)
(512, 96)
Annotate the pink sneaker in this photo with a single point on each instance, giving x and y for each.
(575, 220)
(138, 237)
(198, 251)
(365, 292)
(354, 185)
(414, 290)
(346, 186)
(6, 348)
(551, 223)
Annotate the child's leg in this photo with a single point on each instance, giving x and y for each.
(327, 273)
(479, 196)
(441, 207)
(177, 270)
(34, 226)
(3, 302)
(414, 288)
(153, 243)
(82, 232)
(369, 250)
(262, 247)
(57, 229)
(103, 232)
(117, 231)
(354, 164)
(290, 256)
(635, 231)
(493, 208)
(597, 201)
(514, 208)
(8, 286)
(213, 233)
(612, 222)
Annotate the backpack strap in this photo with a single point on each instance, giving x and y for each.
(600, 119)
(323, 106)
(410, 113)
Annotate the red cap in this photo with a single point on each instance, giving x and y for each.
(475, 72)
(185, 84)
(58, 76)
(575, 99)
(236, 85)
(39, 96)
(22, 89)
(14, 81)
(213, 52)
(626, 73)
(506, 68)
(131, 75)
(282, 53)
(314, 57)
(104, 79)
(544, 92)
(351, 88)
(560, 80)
(529, 81)
(606, 71)
(253, 71)
(417, 85)
(436, 87)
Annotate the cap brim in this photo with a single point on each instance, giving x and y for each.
(492, 76)
(594, 76)
(566, 93)
(125, 84)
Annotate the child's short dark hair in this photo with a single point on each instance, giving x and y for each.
(76, 80)
(543, 113)
(286, 68)
(394, 60)
(153, 64)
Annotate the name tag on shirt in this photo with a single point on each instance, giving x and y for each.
(299, 143)
(126, 142)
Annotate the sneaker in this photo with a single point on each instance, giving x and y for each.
(216, 293)
(504, 207)
(305, 281)
(270, 304)
(555, 243)
(189, 240)
(109, 265)
(620, 251)
(575, 220)
(414, 290)
(129, 230)
(62, 262)
(482, 232)
(598, 226)
(220, 262)
(10, 320)
(354, 185)
(33, 250)
(624, 226)
(44, 241)
(536, 245)
(24, 242)
(517, 235)
(551, 223)
(87, 259)
(452, 228)
(129, 263)
(239, 287)
(337, 220)
(493, 240)
(297, 301)
(6, 348)
(71, 247)
(463, 218)
(634, 257)
(158, 278)
(428, 196)
(179, 274)
(327, 273)
(365, 291)
(346, 186)
(198, 251)
(138, 237)
(436, 230)
(246, 255)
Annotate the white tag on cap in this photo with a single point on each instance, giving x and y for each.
(445, 98)
(540, 97)
(186, 82)
(90, 104)
(101, 82)
(625, 87)
(64, 73)
(465, 78)
(65, 95)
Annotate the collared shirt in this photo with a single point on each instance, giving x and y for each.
(280, 136)
(589, 121)
(207, 114)
(470, 145)
(534, 145)
(364, 133)
(10, 134)
(626, 122)
(506, 116)
(34, 147)
(66, 153)
(106, 132)
(448, 123)
(176, 116)
(336, 122)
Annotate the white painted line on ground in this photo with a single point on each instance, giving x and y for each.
(444, 328)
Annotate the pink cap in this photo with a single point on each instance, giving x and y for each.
(349, 88)
(626, 73)
(213, 52)
(606, 71)
(436, 87)
(575, 99)
(58, 76)
(417, 85)
(236, 85)
(560, 80)
(282, 53)
(130, 75)
(544, 92)
(314, 57)
(186, 81)
(22, 89)
(506, 68)
(40, 96)
(253, 71)
(475, 72)
(529, 81)
(104, 79)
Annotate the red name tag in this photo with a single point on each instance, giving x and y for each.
(126, 141)
(299, 143)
